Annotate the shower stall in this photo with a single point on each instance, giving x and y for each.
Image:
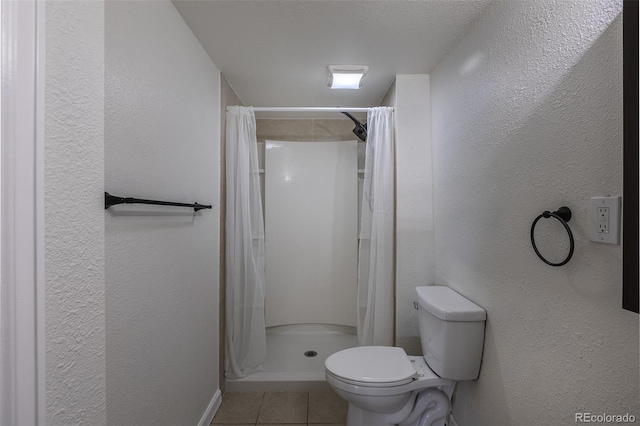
(311, 174)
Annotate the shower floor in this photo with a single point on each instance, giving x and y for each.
(286, 367)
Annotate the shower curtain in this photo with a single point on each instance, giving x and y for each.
(245, 252)
(375, 256)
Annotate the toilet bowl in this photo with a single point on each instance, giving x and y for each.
(388, 396)
(385, 386)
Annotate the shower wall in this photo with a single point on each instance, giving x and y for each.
(311, 232)
(311, 130)
(305, 130)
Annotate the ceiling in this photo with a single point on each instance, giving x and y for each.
(275, 52)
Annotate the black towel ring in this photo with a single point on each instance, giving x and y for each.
(563, 214)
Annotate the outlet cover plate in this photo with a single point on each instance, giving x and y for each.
(613, 236)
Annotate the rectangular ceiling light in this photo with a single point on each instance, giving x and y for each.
(346, 76)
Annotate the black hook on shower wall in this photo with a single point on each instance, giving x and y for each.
(112, 200)
(563, 214)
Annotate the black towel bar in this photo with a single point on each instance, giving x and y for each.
(112, 200)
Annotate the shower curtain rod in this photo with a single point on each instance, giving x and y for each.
(308, 109)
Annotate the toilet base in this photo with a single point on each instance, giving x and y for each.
(428, 407)
(358, 417)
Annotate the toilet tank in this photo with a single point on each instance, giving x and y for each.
(451, 332)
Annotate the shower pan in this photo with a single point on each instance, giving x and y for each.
(295, 358)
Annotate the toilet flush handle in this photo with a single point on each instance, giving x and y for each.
(415, 305)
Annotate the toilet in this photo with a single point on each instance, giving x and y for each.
(384, 386)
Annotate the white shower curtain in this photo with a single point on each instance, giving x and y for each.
(375, 257)
(245, 253)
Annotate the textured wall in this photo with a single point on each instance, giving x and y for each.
(228, 97)
(162, 142)
(409, 95)
(527, 116)
(74, 213)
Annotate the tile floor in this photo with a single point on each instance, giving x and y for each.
(281, 408)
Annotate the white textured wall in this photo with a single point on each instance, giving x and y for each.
(228, 97)
(162, 139)
(527, 116)
(409, 95)
(74, 213)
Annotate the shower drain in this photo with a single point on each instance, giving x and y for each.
(310, 354)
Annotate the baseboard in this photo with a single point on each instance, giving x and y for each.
(451, 421)
(211, 410)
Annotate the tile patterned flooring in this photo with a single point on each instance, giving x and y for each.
(281, 408)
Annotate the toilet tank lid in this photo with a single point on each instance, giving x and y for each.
(448, 305)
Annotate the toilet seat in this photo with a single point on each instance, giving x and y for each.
(378, 366)
(423, 377)
(366, 384)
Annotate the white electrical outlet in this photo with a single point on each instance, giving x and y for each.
(605, 220)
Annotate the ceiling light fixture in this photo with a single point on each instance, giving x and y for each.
(346, 76)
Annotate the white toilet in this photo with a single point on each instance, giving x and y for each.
(384, 386)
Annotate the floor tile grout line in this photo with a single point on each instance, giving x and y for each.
(260, 407)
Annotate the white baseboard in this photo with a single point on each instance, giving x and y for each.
(451, 421)
(211, 410)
